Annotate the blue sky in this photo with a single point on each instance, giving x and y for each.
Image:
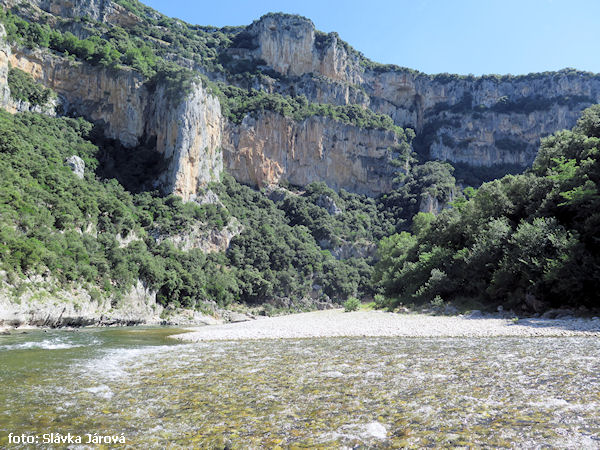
(456, 36)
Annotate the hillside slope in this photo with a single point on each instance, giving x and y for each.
(148, 165)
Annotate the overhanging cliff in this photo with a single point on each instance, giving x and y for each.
(186, 133)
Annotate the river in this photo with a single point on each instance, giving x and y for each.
(336, 392)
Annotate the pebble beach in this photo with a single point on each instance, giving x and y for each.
(337, 323)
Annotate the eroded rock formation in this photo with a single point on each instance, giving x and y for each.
(187, 133)
(270, 149)
(480, 121)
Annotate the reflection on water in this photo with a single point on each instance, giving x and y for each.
(377, 392)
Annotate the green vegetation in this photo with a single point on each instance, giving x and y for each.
(525, 236)
(358, 217)
(140, 46)
(108, 51)
(474, 176)
(47, 214)
(352, 304)
(521, 105)
(432, 179)
(23, 87)
(58, 225)
(45, 211)
(276, 257)
(105, 47)
(236, 103)
(530, 236)
(116, 47)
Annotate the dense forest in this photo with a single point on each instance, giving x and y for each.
(528, 240)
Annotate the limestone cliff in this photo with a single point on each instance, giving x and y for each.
(269, 149)
(47, 303)
(190, 139)
(292, 46)
(481, 121)
(43, 301)
(4, 57)
(117, 99)
(187, 134)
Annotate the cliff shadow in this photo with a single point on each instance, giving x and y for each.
(137, 168)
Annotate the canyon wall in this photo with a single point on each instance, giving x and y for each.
(101, 10)
(480, 121)
(187, 133)
(269, 149)
(196, 141)
(292, 46)
(189, 138)
(4, 57)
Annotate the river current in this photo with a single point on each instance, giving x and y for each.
(305, 393)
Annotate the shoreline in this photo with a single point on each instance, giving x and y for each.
(337, 323)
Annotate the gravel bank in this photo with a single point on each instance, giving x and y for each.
(332, 323)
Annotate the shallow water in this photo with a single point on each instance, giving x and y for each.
(375, 392)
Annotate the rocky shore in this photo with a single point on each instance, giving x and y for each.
(337, 323)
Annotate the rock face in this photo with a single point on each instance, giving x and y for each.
(101, 10)
(347, 250)
(115, 99)
(206, 239)
(187, 134)
(4, 57)
(429, 204)
(327, 203)
(190, 138)
(270, 149)
(44, 304)
(77, 165)
(292, 46)
(481, 121)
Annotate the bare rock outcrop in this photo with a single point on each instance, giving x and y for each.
(45, 303)
(269, 149)
(291, 45)
(190, 138)
(209, 240)
(4, 58)
(77, 165)
(187, 133)
(101, 10)
(480, 121)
